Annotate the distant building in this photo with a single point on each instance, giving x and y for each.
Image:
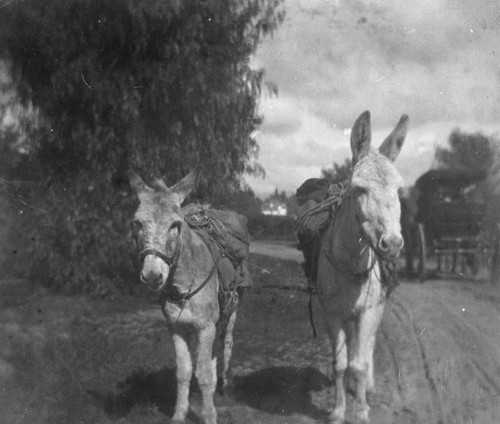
(274, 207)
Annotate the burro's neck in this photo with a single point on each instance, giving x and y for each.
(195, 259)
(348, 247)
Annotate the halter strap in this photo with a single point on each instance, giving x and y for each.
(170, 261)
(181, 298)
(345, 270)
(329, 255)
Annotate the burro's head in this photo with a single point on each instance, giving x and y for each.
(375, 185)
(157, 226)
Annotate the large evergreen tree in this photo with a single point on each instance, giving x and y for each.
(154, 86)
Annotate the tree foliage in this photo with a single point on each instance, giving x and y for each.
(243, 201)
(477, 152)
(338, 173)
(467, 151)
(154, 86)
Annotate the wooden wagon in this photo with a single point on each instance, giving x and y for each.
(449, 228)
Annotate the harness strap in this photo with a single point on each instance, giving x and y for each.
(170, 261)
(207, 239)
(189, 295)
(173, 261)
(343, 269)
(311, 312)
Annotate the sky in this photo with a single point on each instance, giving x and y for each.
(436, 60)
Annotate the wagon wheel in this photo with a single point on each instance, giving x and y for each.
(421, 251)
(408, 251)
(493, 253)
(473, 263)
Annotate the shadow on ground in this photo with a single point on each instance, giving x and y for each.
(281, 390)
(141, 388)
(275, 390)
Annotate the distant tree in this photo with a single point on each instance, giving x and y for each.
(278, 195)
(338, 173)
(291, 205)
(158, 86)
(242, 201)
(470, 151)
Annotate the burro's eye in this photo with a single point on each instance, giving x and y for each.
(136, 226)
(173, 238)
(359, 190)
(175, 228)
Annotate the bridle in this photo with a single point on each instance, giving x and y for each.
(352, 271)
(172, 261)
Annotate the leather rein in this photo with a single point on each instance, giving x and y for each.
(351, 271)
(172, 262)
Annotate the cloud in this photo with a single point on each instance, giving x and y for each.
(407, 60)
(434, 60)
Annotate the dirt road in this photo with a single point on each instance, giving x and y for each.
(437, 357)
(76, 360)
(285, 250)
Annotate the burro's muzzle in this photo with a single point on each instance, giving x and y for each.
(154, 272)
(389, 245)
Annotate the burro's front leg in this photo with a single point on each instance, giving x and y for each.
(184, 370)
(362, 357)
(206, 373)
(339, 345)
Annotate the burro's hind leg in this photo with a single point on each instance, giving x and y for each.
(206, 373)
(339, 345)
(361, 362)
(224, 372)
(184, 370)
(227, 322)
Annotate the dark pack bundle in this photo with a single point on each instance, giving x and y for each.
(225, 228)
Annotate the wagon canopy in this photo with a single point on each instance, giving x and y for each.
(448, 204)
(453, 179)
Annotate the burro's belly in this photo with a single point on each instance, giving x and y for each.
(191, 313)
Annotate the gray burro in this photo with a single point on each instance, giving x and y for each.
(195, 258)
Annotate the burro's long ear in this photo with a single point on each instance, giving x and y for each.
(361, 136)
(391, 146)
(137, 184)
(186, 185)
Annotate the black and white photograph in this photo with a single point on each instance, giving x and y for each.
(249, 211)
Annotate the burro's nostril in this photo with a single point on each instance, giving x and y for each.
(383, 245)
(391, 244)
(152, 280)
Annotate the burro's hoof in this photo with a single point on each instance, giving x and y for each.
(335, 418)
(225, 391)
(362, 414)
